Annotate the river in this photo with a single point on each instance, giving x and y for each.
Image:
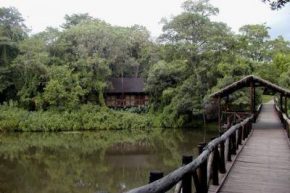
(90, 162)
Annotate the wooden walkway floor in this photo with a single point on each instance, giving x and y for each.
(263, 165)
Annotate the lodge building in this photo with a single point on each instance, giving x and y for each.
(126, 92)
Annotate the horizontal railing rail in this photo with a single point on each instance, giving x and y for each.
(284, 119)
(205, 169)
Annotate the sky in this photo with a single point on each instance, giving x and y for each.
(40, 14)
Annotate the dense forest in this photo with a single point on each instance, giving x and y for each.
(47, 79)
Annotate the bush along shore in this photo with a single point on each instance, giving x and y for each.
(87, 117)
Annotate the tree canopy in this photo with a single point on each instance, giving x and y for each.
(277, 4)
(63, 69)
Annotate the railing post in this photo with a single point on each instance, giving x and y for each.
(286, 105)
(222, 162)
(202, 172)
(186, 180)
(219, 113)
(288, 132)
(155, 175)
(250, 128)
(244, 131)
(234, 145)
(252, 98)
(215, 167)
(247, 127)
(237, 139)
(281, 102)
(229, 156)
(196, 182)
(240, 136)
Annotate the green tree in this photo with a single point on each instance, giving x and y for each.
(63, 90)
(12, 31)
(30, 70)
(277, 4)
(92, 74)
(75, 19)
(279, 46)
(193, 38)
(12, 24)
(164, 77)
(126, 50)
(253, 42)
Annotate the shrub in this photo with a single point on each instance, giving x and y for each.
(88, 117)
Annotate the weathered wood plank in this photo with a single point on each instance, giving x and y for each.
(264, 163)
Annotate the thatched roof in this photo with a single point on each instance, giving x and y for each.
(126, 85)
(246, 81)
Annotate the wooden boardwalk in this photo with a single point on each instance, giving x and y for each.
(263, 165)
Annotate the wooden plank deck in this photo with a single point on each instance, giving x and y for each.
(263, 165)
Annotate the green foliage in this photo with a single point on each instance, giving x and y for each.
(63, 90)
(75, 19)
(277, 4)
(285, 79)
(122, 48)
(12, 24)
(12, 31)
(253, 42)
(87, 117)
(11, 116)
(55, 73)
(164, 76)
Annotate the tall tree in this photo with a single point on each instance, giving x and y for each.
(75, 19)
(190, 37)
(12, 31)
(277, 4)
(254, 40)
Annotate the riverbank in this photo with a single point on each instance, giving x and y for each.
(87, 117)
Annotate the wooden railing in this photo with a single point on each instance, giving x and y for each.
(205, 169)
(230, 118)
(284, 119)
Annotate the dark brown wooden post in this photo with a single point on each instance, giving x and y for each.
(222, 163)
(244, 131)
(202, 172)
(196, 182)
(247, 125)
(234, 145)
(250, 128)
(281, 102)
(215, 167)
(219, 113)
(252, 98)
(286, 112)
(229, 156)
(155, 175)
(240, 136)
(286, 105)
(186, 180)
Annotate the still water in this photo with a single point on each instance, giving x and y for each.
(90, 162)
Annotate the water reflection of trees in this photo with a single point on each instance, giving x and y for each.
(90, 161)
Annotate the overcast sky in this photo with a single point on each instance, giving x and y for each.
(42, 13)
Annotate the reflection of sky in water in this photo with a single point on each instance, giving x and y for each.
(110, 161)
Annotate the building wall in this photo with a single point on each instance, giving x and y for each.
(126, 100)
